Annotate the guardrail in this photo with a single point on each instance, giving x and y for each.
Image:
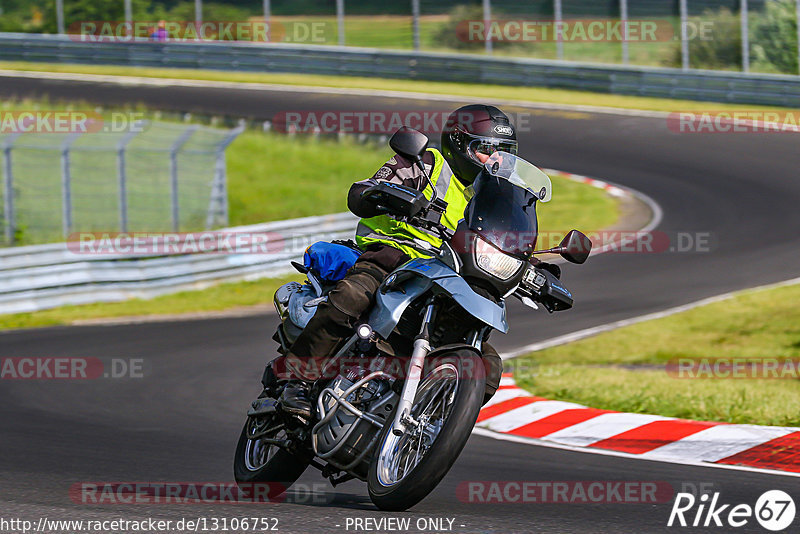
(46, 276)
(763, 89)
(102, 268)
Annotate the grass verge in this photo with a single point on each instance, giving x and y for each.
(490, 92)
(624, 370)
(273, 177)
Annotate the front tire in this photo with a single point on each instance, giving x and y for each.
(405, 469)
(257, 463)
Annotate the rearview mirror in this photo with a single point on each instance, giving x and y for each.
(409, 143)
(575, 247)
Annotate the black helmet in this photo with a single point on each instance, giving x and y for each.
(471, 129)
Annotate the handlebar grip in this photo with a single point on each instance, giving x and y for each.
(396, 199)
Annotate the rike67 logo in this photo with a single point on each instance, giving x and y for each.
(774, 510)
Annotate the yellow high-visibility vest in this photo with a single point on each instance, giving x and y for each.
(410, 239)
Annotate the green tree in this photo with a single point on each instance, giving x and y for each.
(722, 49)
(775, 37)
(211, 12)
(77, 11)
(453, 34)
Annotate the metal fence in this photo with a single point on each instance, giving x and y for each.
(747, 35)
(150, 176)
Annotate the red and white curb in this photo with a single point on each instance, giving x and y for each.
(611, 189)
(618, 240)
(515, 412)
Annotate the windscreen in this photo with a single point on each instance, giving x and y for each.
(520, 173)
(503, 214)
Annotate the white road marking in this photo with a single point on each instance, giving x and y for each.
(257, 86)
(407, 95)
(582, 334)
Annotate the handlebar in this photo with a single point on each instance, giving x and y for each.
(409, 204)
(544, 287)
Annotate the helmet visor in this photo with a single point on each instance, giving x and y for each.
(486, 146)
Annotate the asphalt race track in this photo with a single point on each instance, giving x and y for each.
(181, 421)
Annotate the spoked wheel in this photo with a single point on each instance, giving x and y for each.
(399, 455)
(404, 469)
(257, 452)
(257, 461)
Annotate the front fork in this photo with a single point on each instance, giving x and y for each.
(422, 347)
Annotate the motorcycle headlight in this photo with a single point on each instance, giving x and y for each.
(495, 262)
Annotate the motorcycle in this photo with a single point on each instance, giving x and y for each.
(402, 394)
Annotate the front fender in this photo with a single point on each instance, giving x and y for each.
(392, 303)
(479, 307)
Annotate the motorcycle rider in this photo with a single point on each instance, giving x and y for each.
(471, 134)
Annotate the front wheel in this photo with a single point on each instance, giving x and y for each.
(405, 469)
(261, 467)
